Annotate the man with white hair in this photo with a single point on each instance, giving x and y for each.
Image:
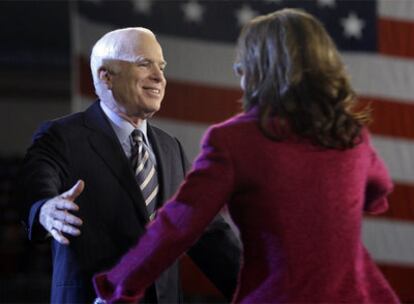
(119, 169)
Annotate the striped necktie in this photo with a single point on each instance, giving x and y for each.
(145, 173)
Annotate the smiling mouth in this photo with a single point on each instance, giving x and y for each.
(153, 90)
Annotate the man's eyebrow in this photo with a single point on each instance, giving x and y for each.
(142, 58)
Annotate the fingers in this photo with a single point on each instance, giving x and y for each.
(57, 227)
(66, 217)
(59, 222)
(56, 219)
(64, 204)
(61, 226)
(58, 236)
(75, 191)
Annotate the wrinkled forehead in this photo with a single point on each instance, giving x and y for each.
(129, 45)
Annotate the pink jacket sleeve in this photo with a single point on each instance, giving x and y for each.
(379, 185)
(177, 226)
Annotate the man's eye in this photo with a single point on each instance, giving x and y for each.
(144, 64)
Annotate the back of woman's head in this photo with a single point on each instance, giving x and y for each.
(291, 69)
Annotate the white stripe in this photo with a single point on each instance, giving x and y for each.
(142, 163)
(398, 154)
(189, 134)
(148, 178)
(140, 150)
(152, 196)
(381, 76)
(211, 64)
(90, 32)
(80, 102)
(389, 241)
(396, 9)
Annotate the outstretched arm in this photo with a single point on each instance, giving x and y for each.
(44, 209)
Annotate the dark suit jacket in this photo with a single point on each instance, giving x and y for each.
(84, 146)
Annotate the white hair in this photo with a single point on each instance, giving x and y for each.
(115, 45)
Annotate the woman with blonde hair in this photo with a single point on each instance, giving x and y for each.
(296, 170)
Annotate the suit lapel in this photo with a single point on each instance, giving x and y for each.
(105, 143)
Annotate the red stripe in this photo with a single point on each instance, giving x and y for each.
(86, 87)
(183, 101)
(401, 203)
(196, 284)
(208, 104)
(391, 117)
(401, 279)
(395, 37)
(199, 103)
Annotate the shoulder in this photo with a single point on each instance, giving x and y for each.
(70, 120)
(168, 145)
(365, 138)
(166, 141)
(238, 120)
(162, 136)
(75, 120)
(58, 124)
(233, 127)
(73, 123)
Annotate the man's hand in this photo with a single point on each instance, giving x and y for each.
(55, 217)
(99, 301)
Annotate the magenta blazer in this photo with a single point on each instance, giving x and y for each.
(299, 210)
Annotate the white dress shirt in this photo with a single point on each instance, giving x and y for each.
(123, 130)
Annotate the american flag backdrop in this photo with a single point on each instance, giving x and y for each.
(376, 39)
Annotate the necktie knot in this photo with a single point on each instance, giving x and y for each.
(137, 136)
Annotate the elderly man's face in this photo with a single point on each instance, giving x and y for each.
(138, 88)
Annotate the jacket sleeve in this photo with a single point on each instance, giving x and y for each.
(217, 252)
(178, 225)
(379, 185)
(43, 169)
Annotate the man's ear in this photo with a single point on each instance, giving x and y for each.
(105, 76)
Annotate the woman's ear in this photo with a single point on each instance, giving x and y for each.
(106, 77)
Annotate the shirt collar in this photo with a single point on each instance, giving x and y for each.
(122, 128)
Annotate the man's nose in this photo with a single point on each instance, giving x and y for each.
(157, 74)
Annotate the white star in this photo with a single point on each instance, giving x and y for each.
(142, 6)
(352, 26)
(193, 11)
(245, 14)
(326, 3)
